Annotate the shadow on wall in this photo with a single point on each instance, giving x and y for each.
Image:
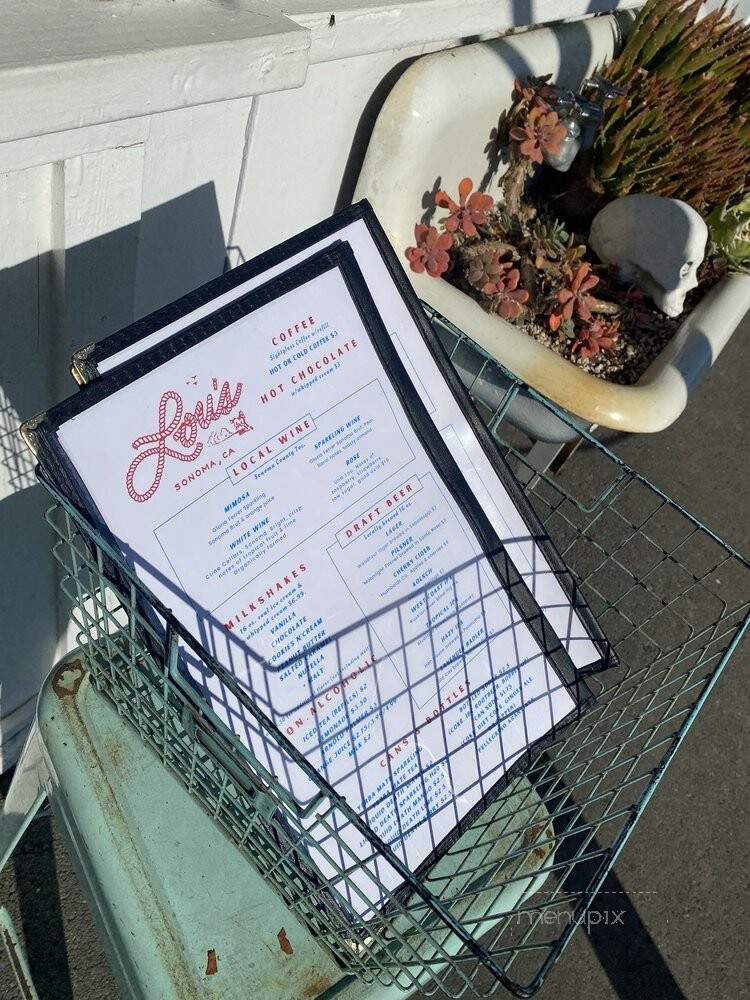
(363, 131)
(51, 305)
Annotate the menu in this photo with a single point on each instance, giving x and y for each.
(275, 479)
(500, 497)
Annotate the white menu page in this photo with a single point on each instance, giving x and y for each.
(446, 414)
(271, 490)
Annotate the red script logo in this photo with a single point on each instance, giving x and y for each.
(182, 428)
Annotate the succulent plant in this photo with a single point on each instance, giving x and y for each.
(634, 306)
(533, 90)
(682, 127)
(507, 298)
(431, 251)
(542, 132)
(548, 238)
(595, 338)
(729, 227)
(485, 265)
(573, 299)
(470, 212)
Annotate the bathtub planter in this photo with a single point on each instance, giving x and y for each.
(441, 115)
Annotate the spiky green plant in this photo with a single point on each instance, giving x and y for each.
(682, 128)
(729, 227)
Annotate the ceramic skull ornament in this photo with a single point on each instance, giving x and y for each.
(657, 243)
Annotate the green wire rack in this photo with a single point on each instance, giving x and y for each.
(498, 909)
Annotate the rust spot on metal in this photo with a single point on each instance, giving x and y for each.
(284, 943)
(540, 852)
(316, 988)
(117, 753)
(212, 963)
(533, 833)
(68, 678)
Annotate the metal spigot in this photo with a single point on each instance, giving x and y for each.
(605, 90)
(564, 101)
(590, 113)
(581, 116)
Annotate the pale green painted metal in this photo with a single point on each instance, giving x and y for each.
(672, 597)
(165, 886)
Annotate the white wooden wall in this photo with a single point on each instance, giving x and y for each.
(140, 145)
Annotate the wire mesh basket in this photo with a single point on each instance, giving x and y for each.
(499, 907)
